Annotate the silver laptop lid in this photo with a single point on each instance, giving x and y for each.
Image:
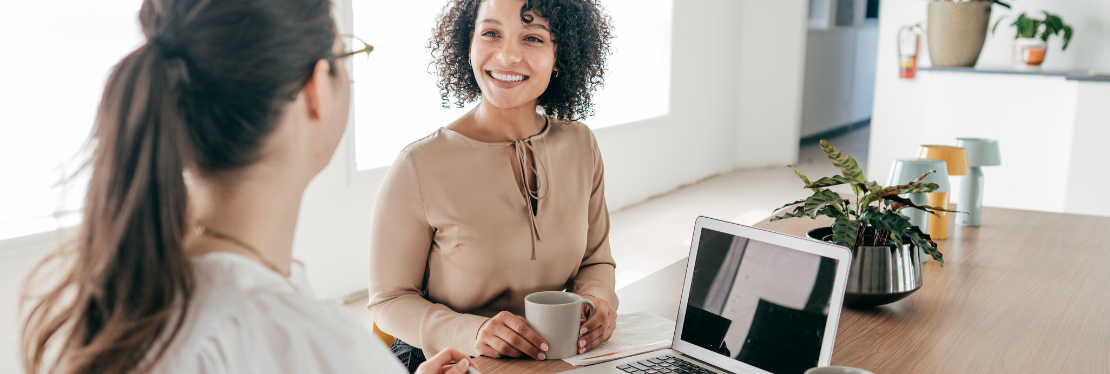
(757, 301)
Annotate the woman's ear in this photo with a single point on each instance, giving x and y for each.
(318, 90)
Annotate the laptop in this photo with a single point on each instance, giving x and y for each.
(753, 301)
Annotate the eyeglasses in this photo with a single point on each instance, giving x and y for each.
(366, 47)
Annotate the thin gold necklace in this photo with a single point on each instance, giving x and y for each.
(202, 230)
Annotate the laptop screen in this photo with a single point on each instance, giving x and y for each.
(759, 303)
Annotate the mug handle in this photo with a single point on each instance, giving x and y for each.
(592, 307)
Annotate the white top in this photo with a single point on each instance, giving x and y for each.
(245, 318)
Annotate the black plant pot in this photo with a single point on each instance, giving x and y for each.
(878, 274)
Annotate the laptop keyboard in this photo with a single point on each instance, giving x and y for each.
(663, 364)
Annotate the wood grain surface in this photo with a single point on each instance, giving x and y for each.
(1028, 292)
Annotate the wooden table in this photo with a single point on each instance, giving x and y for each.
(1027, 292)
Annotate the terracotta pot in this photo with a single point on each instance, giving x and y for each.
(956, 31)
(1029, 52)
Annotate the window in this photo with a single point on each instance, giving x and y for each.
(57, 56)
(396, 100)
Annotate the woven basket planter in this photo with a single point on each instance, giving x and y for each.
(956, 31)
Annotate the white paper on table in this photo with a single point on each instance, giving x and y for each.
(636, 333)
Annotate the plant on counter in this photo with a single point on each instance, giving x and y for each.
(875, 217)
(1032, 28)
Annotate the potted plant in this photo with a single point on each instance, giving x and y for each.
(1031, 40)
(956, 30)
(886, 248)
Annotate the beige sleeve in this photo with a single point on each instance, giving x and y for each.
(400, 240)
(597, 275)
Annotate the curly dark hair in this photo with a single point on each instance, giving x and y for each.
(581, 34)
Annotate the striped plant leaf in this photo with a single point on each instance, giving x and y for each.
(926, 243)
(791, 204)
(804, 178)
(899, 190)
(845, 232)
(831, 181)
(917, 188)
(931, 209)
(797, 213)
(820, 200)
(871, 186)
(907, 203)
(845, 163)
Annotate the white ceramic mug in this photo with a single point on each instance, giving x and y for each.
(557, 316)
(837, 370)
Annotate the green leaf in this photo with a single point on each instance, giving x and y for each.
(1002, 4)
(1067, 37)
(804, 178)
(908, 203)
(931, 209)
(874, 186)
(821, 199)
(917, 188)
(845, 163)
(797, 213)
(899, 190)
(832, 211)
(845, 232)
(790, 204)
(927, 245)
(831, 181)
(1027, 27)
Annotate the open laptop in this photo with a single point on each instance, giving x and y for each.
(754, 301)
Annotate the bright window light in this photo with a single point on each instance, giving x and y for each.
(57, 57)
(396, 100)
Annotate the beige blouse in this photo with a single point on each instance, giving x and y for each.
(453, 241)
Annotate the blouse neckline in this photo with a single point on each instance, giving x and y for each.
(541, 134)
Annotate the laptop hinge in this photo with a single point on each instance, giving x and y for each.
(686, 356)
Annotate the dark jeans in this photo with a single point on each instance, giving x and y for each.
(410, 356)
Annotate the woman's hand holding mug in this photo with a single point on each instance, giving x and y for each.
(508, 335)
(599, 328)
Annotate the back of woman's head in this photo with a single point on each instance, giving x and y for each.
(201, 95)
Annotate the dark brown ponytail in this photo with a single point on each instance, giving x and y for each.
(201, 95)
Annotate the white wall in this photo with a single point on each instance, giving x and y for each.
(772, 49)
(1047, 114)
(1089, 173)
(735, 103)
(938, 107)
(867, 55)
(839, 77)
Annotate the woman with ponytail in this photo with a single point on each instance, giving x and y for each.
(205, 140)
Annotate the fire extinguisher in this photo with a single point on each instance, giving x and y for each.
(909, 42)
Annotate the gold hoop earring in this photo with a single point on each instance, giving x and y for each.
(470, 61)
(556, 74)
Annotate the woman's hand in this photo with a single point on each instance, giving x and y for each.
(598, 328)
(442, 362)
(506, 334)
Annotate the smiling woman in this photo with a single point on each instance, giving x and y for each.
(508, 199)
(583, 46)
(393, 109)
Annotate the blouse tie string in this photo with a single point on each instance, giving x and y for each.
(523, 146)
